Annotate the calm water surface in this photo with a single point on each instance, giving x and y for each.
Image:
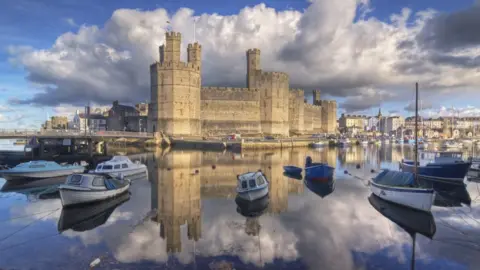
(176, 219)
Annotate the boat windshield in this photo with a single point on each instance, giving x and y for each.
(99, 167)
(252, 183)
(36, 166)
(244, 184)
(75, 180)
(107, 167)
(260, 181)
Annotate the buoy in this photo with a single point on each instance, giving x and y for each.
(345, 172)
(197, 171)
(269, 167)
(168, 169)
(358, 166)
(214, 167)
(372, 170)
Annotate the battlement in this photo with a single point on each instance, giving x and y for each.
(194, 46)
(313, 107)
(271, 77)
(329, 102)
(230, 93)
(178, 65)
(173, 35)
(253, 51)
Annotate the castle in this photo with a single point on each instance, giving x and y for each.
(181, 106)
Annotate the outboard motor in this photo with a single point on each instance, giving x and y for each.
(308, 162)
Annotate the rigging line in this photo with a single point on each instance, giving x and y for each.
(34, 214)
(24, 227)
(448, 225)
(28, 241)
(457, 244)
(466, 214)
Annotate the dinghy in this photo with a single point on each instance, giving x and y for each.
(86, 188)
(317, 171)
(293, 176)
(39, 169)
(121, 165)
(402, 188)
(252, 186)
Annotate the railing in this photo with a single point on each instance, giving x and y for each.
(74, 133)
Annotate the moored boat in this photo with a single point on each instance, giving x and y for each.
(317, 171)
(39, 169)
(451, 144)
(121, 165)
(318, 144)
(252, 186)
(86, 188)
(402, 188)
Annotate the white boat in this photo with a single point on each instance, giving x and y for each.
(364, 142)
(86, 188)
(40, 169)
(252, 186)
(318, 144)
(120, 165)
(401, 188)
(344, 142)
(451, 144)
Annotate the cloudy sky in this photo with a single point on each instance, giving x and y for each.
(56, 56)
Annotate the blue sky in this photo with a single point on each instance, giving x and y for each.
(39, 23)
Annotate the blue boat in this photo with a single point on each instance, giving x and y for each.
(293, 170)
(321, 188)
(317, 171)
(444, 166)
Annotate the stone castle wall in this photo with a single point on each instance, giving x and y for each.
(180, 106)
(227, 110)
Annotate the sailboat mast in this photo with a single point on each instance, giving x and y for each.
(416, 128)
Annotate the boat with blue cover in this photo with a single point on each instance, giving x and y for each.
(40, 169)
(252, 186)
(402, 188)
(293, 170)
(442, 166)
(317, 171)
(87, 188)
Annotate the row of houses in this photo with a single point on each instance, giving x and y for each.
(117, 118)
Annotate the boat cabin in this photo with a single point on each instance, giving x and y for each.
(37, 165)
(116, 163)
(94, 181)
(251, 181)
(442, 156)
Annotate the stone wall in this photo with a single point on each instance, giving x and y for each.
(227, 110)
(312, 118)
(329, 116)
(296, 111)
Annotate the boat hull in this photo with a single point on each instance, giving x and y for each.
(252, 195)
(318, 145)
(129, 172)
(444, 171)
(292, 170)
(420, 199)
(15, 176)
(74, 196)
(319, 172)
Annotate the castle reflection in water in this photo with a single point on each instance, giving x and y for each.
(177, 190)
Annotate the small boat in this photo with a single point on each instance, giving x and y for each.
(121, 165)
(402, 188)
(40, 169)
(293, 176)
(442, 166)
(252, 185)
(317, 171)
(86, 188)
(364, 142)
(293, 170)
(318, 144)
(82, 218)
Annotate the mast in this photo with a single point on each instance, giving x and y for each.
(416, 129)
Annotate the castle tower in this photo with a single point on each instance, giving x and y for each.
(316, 97)
(194, 54)
(175, 89)
(253, 65)
(329, 116)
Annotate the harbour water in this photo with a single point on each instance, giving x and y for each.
(177, 218)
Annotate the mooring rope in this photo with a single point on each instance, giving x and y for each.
(34, 214)
(24, 227)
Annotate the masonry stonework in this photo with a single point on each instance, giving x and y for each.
(180, 106)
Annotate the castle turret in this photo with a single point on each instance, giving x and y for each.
(316, 97)
(194, 52)
(253, 64)
(172, 47)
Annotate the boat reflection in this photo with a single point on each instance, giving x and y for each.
(411, 220)
(450, 195)
(88, 217)
(293, 176)
(252, 210)
(321, 188)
